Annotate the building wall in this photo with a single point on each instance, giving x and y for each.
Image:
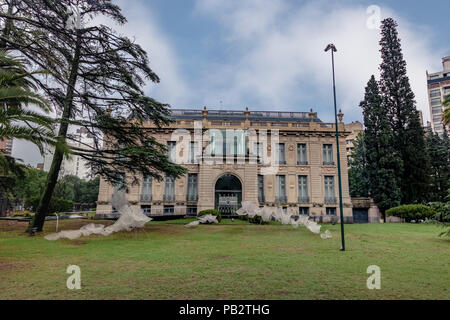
(6, 146)
(438, 88)
(355, 129)
(313, 134)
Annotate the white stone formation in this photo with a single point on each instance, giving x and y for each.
(250, 209)
(130, 218)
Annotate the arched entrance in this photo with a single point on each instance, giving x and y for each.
(228, 194)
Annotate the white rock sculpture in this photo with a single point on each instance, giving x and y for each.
(130, 218)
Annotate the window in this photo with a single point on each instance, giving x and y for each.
(192, 194)
(193, 151)
(191, 210)
(280, 154)
(146, 193)
(304, 211)
(303, 189)
(328, 154)
(301, 154)
(120, 185)
(169, 210)
(329, 189)
(435, 101)
(146, 209)
(171, 150)
(437, 110)
(169, 189)
(281, 189)
(331, 211)
(435, 93)
(258, 147)
(261, 188)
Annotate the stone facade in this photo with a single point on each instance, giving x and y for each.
(284, 128)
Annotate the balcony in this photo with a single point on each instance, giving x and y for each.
(261, 198)
(328, 163)
(303, 199)
(302, 163)
(281, 199)
(146, 197)
(192, 197)
(330, 200)
(169, 197)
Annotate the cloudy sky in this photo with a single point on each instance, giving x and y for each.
(268, 54)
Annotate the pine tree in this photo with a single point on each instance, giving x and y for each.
(357, 173)
(383, 160)
(399, 104)
(96, 81)
(438, 149)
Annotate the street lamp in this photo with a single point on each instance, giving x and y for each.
(333, 50)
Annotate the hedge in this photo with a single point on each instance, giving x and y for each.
(56, 204)
(411, 212)
(211, 211)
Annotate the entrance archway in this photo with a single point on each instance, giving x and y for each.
(228, 194)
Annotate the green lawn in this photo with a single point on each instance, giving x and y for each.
(227, 261)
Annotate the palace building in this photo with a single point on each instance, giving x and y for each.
(285, 159)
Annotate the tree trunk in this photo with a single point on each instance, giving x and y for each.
(8, 28)
(39, 218)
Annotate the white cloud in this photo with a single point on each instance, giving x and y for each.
(142, 26)
(280, 58)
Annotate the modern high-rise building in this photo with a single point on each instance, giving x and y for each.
(76, 165)
(6, 146)
(438, 88)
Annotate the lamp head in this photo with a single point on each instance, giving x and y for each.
(330, 46)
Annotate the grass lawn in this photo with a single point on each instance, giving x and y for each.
(228, 261)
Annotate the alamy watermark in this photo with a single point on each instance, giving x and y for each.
(374, 281)
(74, 280)
(374, 19)
(228, 146)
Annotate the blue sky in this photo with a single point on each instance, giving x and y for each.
(268, 54)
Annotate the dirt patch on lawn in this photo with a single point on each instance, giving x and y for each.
(13, 225)
(4, 266)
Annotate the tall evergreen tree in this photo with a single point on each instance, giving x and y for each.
(399, 104)
(96, 82)
(438, 149)
(357, 173)
(383, 160)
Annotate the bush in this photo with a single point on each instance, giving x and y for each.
(24, 213)
(56, 204)
(411, 212)
(442, 211)
(211, 211)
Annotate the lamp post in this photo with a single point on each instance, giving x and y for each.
(333, 50)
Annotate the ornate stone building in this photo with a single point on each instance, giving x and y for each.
(283, 159)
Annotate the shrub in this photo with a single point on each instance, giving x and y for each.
(211, 211)
(411, 212)
(56, 204)
(24, 213)
(442, 211)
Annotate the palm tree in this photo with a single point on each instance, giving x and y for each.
(17, 92)
(446, 115)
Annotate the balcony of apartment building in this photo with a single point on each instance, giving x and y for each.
(330, 200)
(303, 199)
(145, 197)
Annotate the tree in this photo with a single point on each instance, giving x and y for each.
(446, 115)
(399, 104)
(383, 160)
(357, 174)
(97, 79)
(438, 150)
(31, 185)
(17, 91)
